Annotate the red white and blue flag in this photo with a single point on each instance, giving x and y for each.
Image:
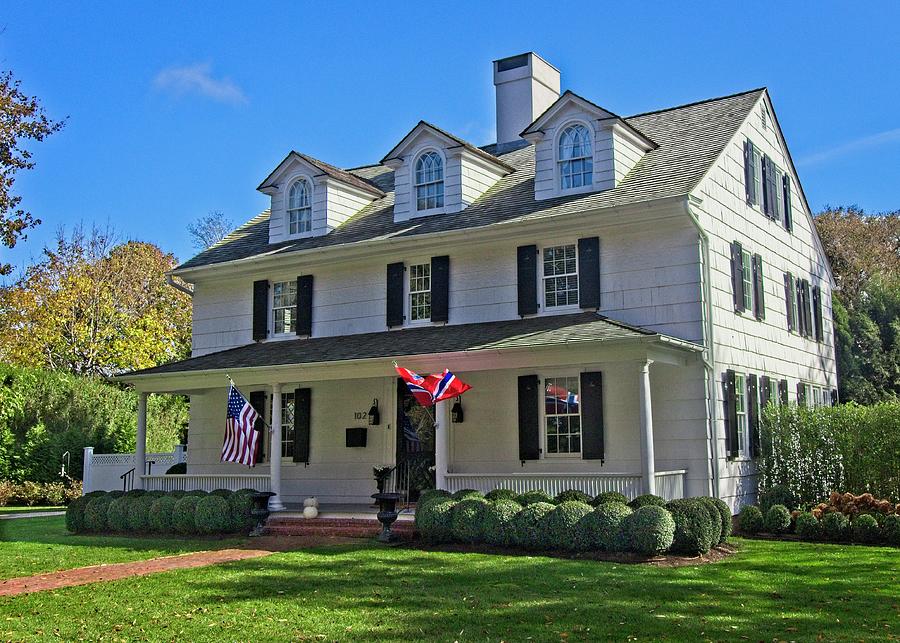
(431, 389)
(240, 436)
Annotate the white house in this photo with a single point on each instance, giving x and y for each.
(623, 294)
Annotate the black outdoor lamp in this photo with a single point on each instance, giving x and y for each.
(374, 415)
(456, 413)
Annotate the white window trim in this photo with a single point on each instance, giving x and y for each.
(747, 269)
(286, 459)
(413, 201)
(557, 175)
(545, 454)
(743, 437)
(543, 309)
(407, 292)
(271, 321)
(286, 196)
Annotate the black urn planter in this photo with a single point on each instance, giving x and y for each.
(387, 514)
(259, 510)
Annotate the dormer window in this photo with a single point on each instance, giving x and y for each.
(429, 181)
(576, 166)
(299, 210)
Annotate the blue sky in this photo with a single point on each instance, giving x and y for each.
(177, 109)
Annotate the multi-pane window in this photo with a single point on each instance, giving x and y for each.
(576, 165)
(562, 415)
(420, 292)
(284, 307)
(757, 160)
(287, 425)
(793, 307)
(429, 181)
(772, 393)
(560, 276)
(747, 276)
(300, 207)
(740, 405)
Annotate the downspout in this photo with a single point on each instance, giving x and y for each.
(708, 356)
(170, 280)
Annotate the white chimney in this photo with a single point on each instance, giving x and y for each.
(526, 86)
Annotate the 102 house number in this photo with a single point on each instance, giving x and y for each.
(360, 415)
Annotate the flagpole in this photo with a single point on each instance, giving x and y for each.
(261, 418)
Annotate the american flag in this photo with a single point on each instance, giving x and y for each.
(240, 436)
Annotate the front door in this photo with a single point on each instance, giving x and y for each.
(415, 444)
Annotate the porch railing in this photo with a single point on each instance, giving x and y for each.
(206, 482)
(669, 484)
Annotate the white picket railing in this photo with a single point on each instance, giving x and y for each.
(207, 482)
(669, 484)
(104, 471)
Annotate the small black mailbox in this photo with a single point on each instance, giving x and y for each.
(356, 437)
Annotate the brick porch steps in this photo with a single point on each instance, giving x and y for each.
(347, 527)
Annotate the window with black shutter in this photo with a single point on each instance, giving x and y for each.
(589, 272)
(526, 258)
(801, 316)
(732, 445)
(302, 409)
(440, 289)
(260, 309)
(788, 213)
(737, 275)
(765, 392)
(753, 415)
(395, 272)
(257, 400)
(783, 391)
(759, 300)
(790, 301)
(817, 313)
(801, 394)
(750, 173)
(304, 305)
(807, 309)
(592, 440)
(529, 418)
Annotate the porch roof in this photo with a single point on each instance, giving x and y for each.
(533, 332)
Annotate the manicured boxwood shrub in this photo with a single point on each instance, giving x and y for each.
(222, 493)
(609, 496)
(695, 531)
(725, 516)
(178, 493)
(835, 527)
(650, 530)
(890, 530)
(750, 519)
(212, 515)
(572, 495)
(501, 494)
(529, 526)
(139, 513)
(95, 513)
(864, 529)
(162, 512)
(777, 519)
(531, 497)
(776, 495)
(183, 516)
(462, 494)
(498, 521)
(431, 494)
(239, 505)
(714, 516)
(117, 514)
(467, 521)
(808, 527)
(134, 493)
(197, 492)
(113, 494)
(647, 499)
(75, 514)
(601, 530)
(434, 520)
(562, 524)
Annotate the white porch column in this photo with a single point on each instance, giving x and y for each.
(646, 414)
(275, 503)
(140, 451)
(441, 443)
(86, 471)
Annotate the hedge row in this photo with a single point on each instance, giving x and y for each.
(648, 525)
(175, 512)
(29, 494)
(866, 528)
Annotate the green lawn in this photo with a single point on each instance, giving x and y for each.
(16, 510)
(36, 545)
(769, 590)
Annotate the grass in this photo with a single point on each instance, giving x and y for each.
(769, 590)
(16, 510)
(37, 545)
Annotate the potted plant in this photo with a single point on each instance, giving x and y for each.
(381, 476)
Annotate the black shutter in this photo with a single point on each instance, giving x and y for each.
(753, 415)
(783, 391)
(788, 296)
(801, 394)
(527, 279)
(395, 294)
(731, 436)
(767, 196)
(440, 288)
(801, 316)
(301, 424)
(529, 406)
(788, 215)
(759, 299)
(737, 275)
(834, 397)
(807, 310)
(817, 313)
(260, 309)
(771, 183)
(304, 304)
(764, 383)
(589, 272)
(749, 172)
(592, 416)
(257, 400)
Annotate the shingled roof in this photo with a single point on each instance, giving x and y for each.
(690, 138)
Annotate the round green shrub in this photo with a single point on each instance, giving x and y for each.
(650, 530)
(864, 529)
(808, 527)
(114, 494)
(467, 521)
(156, 493)
(776, 495)
(601, 530)
(134, 493)
(463, 494)
(75, 514)
(162, 512)
(835, 527)
(139, 513)
(95, 494)
(431, 494)
(178, 493)
(750, 519)
(647, 499)
(562, 524)
(95, 513)
(498, 521)
(890, 530)
(695, 531)
(183, 516)
(531, 497)
(529, 526)
(222, 493)
(777, 519)
(434, 520)
(500, 494)
(212, 515)
(713, 510)
(240, 503)
(725, 516)
(117, 514)
(572, 495)
(197, 492)
(609, 496)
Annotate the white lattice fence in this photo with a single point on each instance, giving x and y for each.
(104, 471)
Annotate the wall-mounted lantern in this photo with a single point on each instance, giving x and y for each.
(456, 412)
(374, 415)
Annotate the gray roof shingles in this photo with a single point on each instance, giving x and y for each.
(690, 138)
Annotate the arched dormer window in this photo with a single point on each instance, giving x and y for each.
(576, 164)
(299, 210)
(429, 180)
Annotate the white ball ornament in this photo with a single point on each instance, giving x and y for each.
(310, 512)
(311, 502)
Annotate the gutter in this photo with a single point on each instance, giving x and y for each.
(170, 280)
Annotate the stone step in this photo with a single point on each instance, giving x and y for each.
(349, 527)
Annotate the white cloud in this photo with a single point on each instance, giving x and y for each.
(857, 145)
(198, 79)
